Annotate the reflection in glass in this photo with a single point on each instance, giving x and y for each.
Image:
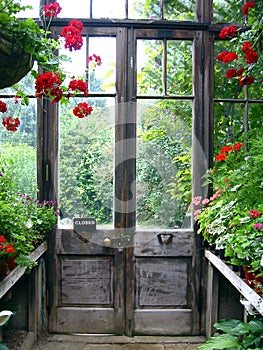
(86, 163)
(163, 180)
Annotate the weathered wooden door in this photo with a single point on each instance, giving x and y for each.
(134, 275)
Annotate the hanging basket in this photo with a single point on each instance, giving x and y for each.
(14, 62)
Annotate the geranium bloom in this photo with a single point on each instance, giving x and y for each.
(253, 213)
(48, 84)
(78, 84)
(251, 57)
(2, 239)
(52, 10)
(221, 157)
(225, 56)
(228, 31)
(226, 149)
(96, 58)
(238, 145)
(247, 46)
(3, 107)
(246, 80)
(82, 110)
(9, 248)
(231, 73)
(258, 226)
(11, 124)
(73, 38)
(247, 6)
(77, 24)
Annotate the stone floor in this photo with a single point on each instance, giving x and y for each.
(84, 342)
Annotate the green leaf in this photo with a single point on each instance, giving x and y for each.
(223, 341)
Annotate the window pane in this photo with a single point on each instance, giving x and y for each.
(179, 74)
(108, 9)
(172, 9)
(19, 148)
(86, 163)
(149, 67)
(226, 10)
(179, 10)
(102, 77)
(163, 169)
(228, 119)
(76, 9)
(30, 13)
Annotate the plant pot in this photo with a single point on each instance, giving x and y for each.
(249, 276)
(14, 62)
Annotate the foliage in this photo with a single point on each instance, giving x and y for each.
(236, 335)
(24, 221)
(231, 218)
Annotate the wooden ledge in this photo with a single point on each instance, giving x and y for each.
(249, 294)
(15, 274)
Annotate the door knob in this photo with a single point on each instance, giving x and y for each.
(106, 241)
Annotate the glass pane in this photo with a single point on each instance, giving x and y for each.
(227, 10)
(179, 10)
(76, 9)
(18, 148)
(179, 75)
(164, 163)
(75, 65)
(102, 77)
(141, 9)
(173, 9)
(108, 9)
(30, 13)
(228, 123)
(149, 67)
(86, 162)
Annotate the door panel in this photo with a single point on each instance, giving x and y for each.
(163, 303)
(87, 300)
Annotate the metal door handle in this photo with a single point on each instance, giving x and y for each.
(106, 241)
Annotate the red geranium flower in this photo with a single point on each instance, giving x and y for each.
(73, 38)
(226, 149)
(2, 239)
(48, 84)
(77, 24)
(228, 32)
(82, 110)
(52, 10)
(78, 85)
(225, 56)
(11, 124)
(251, 56)
(246, 80)
(247, 6)
(221, 157)
(253, 213)
(231, 73)
(9, 248)
(3, 107)
(238, 145)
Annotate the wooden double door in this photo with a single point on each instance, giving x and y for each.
(127, 279)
